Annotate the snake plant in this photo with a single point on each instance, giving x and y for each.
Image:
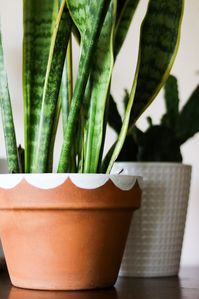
(100, 27)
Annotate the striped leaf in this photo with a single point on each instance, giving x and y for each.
(67, 84)
(125, 13)
(123, 132)
(159, 43)
(7, 117)
(88, 16)
(100, 77)
(39, 20)
(159, 40)
(53, 135)
(51, 89)
(67, 93)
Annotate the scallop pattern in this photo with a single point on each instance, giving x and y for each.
(85, 181)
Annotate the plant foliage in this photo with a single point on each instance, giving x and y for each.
(162, 143)
(100, 27)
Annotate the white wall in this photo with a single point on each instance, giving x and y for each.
(186, 68)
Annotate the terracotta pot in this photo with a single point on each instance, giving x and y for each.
(155, 238)
(62, 232)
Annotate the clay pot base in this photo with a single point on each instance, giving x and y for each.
(65, 238)
(18, 293)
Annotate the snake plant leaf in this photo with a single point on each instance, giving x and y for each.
(159, 41)
(64, 100)
(39, 20)
(67, 93)
(51, 89)
(53, 135)
(125, 12)
(67, 84)
(124, 129)
(126, 98)
(64, 96)
(7, 117)
(100, 76)
(107, 158)
(83, 125)
(188, 120)
(88, 16)
(172, 103)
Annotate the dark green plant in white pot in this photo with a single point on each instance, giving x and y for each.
(100, 28)
(156, 155)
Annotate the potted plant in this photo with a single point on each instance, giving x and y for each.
(65, 227)
(155, 239)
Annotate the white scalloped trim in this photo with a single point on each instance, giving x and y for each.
(84, 181)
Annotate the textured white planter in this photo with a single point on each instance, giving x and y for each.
(3, 169)
(155, 239)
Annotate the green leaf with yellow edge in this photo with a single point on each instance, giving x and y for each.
(7, 117)
(123, 132)
(88, 16)
(100, 76)
(39, 20)
(51, 89)
(67, 84)
(125, 12)
(159, 41)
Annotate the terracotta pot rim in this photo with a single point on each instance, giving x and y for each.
(68, 196)
(83, 181)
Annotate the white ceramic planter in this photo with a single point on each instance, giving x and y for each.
(3, 169)
(155, 238)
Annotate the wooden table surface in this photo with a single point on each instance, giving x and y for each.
(186, 286)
